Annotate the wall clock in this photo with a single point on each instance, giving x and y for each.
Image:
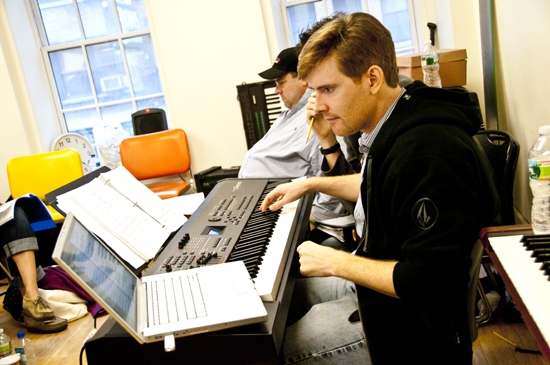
(81, 144)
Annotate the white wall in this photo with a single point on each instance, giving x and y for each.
(13, 137)
(204, 50)
(457, 27)
(521, 40)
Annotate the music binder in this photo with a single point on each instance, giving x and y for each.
(51, 197)
(129, 217)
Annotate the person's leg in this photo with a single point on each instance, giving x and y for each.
(324, 239)
(311, 291)
(26, 266)
(323, 334)
(19, 243)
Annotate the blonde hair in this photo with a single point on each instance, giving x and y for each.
(356, 41)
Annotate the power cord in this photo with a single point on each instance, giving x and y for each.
(90, 335)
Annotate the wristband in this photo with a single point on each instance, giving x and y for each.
(332, 149)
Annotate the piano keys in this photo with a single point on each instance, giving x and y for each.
(270, 271)
(260, 107)
(526, 281)
(229, 226)
(539, 247)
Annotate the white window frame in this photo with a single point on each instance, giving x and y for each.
(46, 49)
(283, 5)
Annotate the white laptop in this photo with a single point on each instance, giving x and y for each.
(163, 306)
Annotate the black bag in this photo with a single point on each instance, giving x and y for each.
(13, 302)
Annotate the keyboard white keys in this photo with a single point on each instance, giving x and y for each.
(272, 267)
(527, 278)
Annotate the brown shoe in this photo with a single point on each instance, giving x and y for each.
(37, 308)
(44, 326)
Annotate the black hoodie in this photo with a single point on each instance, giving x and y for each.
(426, 193)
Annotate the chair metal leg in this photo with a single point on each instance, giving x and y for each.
(486, 312)
(4, 268)
(491, 275)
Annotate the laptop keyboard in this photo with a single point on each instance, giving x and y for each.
(175, 299)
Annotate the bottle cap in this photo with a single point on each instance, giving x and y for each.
(544, 129)
(20, 334)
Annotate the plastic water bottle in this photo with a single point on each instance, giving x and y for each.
(95, 164)
(430, 65)
(23, 346)
(5, 344)
(539, 180)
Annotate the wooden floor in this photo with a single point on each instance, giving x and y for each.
(54, 349)
(64, 347)
(489, 349)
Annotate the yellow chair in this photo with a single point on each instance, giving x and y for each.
(159, 155)
(41, 173)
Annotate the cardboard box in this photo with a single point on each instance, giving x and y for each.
(452, 67)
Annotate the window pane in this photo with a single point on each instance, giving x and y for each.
(82, 122)
(71, 78)
(98, 18)
(132, 15)
(301, 17)
(108, 72)
(58, 31)
(157, 102)
(101, 79)
(347, 6)
(395, 15)
(142, 65)
(121, 113)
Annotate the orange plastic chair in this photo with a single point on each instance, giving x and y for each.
(157, 156)
(42, 173)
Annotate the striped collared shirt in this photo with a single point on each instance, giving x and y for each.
(365, 143)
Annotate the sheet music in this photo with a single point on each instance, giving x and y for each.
(114, 242)
(126, 184)
(7, 212)
(124, 213)
(186, 204)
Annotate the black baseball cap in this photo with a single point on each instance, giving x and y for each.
(286, 61)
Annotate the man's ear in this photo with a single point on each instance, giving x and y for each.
(304, 83)
(374, 77)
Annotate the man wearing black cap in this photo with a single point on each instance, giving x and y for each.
(284, 152)
(289, 87)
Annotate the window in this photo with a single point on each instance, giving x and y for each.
(102, 61)
(394, 14)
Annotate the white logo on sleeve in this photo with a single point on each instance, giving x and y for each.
(424, 213)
